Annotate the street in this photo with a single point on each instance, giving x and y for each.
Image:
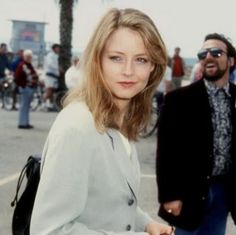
(17, 145)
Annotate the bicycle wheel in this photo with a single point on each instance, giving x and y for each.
(58, 100)
(36, 101)
(151, 128)
(7, 98)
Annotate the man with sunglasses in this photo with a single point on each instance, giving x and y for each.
(196, 179)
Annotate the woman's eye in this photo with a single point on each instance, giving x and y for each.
(142, 60)
(115, 58)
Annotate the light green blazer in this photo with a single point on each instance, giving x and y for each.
(89, 185)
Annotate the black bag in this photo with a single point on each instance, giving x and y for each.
(24, 205)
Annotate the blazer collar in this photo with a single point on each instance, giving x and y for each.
(128, 166)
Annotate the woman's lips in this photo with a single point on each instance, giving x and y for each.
(126, 84)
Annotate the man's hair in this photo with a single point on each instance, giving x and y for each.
(3, 45)
(231, 52)
(95, 91)
(55, 45)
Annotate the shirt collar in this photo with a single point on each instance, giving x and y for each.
(212, 89)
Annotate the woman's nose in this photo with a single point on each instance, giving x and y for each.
(128, 69)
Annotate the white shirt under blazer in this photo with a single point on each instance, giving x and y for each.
(89, 185)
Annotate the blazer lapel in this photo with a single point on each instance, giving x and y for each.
(202, 98)
(128, 166)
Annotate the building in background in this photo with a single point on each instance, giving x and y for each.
(29, 35)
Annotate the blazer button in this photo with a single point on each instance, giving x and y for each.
(131, 202)
(128, 227)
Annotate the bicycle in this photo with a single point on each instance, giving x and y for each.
(59, 97)
(9, 94)
(152, 126)
(8, 87)
(38, 100)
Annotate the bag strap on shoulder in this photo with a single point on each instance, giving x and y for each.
(24, 172)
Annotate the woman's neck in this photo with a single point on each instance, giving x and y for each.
(123, 107)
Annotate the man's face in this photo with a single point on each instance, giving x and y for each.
(28, 58)
(3, 49)
(214, 60)
(57, 50)
(177, 51)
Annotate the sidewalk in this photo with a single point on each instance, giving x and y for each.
(17, 145)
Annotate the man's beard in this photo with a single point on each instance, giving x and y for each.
(216, 76)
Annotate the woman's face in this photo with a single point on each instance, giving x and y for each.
(125, 64)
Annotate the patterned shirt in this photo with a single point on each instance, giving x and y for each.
(219, 99)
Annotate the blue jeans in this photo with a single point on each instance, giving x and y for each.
(25, 100)
(216, 213)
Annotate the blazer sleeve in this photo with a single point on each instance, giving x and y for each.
(141, 220)
(63, 188)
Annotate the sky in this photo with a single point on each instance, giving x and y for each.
(182, 23)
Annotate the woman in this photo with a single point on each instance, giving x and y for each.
(90, 176)
(27, 79)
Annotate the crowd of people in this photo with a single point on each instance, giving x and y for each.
(90, 172)
(51, 72)
(26, 79)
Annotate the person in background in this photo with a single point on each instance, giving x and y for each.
(15, 62)
(51, 75)
(164, 86)
(178, 67)
(90, 147)
(26, 78)
(4, 64)
(72, 75)
(196, 73)
(196, 150)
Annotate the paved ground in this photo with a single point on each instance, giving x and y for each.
(16, 145)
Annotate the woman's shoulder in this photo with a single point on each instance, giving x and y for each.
(76, 107)
(74, 116)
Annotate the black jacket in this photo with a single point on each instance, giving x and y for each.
(184, 153)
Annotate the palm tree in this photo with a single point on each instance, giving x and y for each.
(66, 27)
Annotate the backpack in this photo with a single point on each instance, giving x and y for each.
(24, 204)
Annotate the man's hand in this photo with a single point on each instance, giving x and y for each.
(154, 228)
(173, 207)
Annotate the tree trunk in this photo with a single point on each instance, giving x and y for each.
(66, 26)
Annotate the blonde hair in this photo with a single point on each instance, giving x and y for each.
(95, 91)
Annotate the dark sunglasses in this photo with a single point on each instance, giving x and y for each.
(214, 52)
